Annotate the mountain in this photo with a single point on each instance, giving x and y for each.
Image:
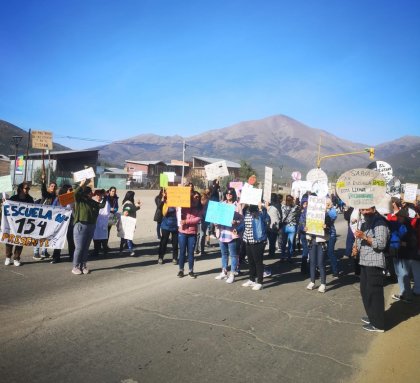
(278, 141)
(7, 146)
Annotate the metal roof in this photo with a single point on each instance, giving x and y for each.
(145, 162)
(229, 164)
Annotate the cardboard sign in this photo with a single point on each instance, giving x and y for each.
(410, 193)
(382, 167)
(66, 199)
(27, 224)
(361, 188)
(6, 184)
(178, 196)
(315, 215)
(126, 227)
(268, 184)
(251, 196)
(41, 140)
(163, 180)
(83, 174)
(220, 213)
(216, 170)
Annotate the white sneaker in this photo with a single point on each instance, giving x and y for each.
(310, 286)
(257, 286)
(267, 273)
(16, 262)
(322, 288)
(7, 261)
(221, 276)
(231, 278)
(248, 283)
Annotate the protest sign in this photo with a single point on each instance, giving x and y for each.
(361, 188)
(296, 176)
(299, 188)
(410, 192)
(317, 175)
(237, 185)
(171, 176)
(220, 213)
(66, 199)
(250, 195)
(20, 163)
(178, 196)
(126, 227)
(393, 187)
(163, 180)
(382, 167)
(6, 184)
(320, 188)
(41, 140)
(27, 224)
(315, 215)
(268, 184)
(385, 206)
(83, 174)
(216, 170)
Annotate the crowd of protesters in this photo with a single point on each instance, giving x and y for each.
(379, 245)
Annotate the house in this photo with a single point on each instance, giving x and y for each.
(198, 164)
(111, 177)
(4, 165)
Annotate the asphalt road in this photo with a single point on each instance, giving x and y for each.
(132, 320)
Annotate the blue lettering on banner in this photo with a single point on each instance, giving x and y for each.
(32, 212)
(61, 218)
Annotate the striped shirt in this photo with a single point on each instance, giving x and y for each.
(248, 236)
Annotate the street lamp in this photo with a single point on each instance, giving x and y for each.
(16, 141)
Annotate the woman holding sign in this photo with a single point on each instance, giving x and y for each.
(190, 218)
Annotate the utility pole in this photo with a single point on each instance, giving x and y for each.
(16, 140)
(183, 161)
(27, 154)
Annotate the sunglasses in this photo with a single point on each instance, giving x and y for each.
(26, 188)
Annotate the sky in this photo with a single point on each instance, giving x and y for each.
(107, 70)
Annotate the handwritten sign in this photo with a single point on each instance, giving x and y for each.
(251, 196)
(410, 193)
(126, 227)
(315, 215)
(66, 199)
(6, 184)
(163, 180)
(237, 185)
(216, 170)
(317, 175)
(27, 224)
(220, 213)
(299, 188)
(178, 196)
(268, 184)
(361, 188)
(382, 167)
(83, 174)
(41, 140)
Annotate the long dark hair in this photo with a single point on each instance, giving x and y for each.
(232, 192)
(129, 196)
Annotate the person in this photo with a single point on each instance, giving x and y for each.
(112, 199)
(100, 235)
(14, 251)
(129, 209)
(202, 227)
(228, 240)
(317, 246)
(403, 249)
(158, 213)
(56, 257)
(189, 219)
(290, 213)
(370, 243)
(256, 222)
(169, 227)
(302, 235)
(48, 196)
(86, 211)
(334, 261)
(275, 223)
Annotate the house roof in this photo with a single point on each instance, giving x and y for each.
(145, 162)
(115, 171)
(229, 164)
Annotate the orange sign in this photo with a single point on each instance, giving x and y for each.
(179, 196)
(66, 199)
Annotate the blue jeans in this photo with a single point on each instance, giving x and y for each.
(186, 243)
(229, 248)
(349, 242)
(403, 267)
(83, 234)
(317, 258)
(288, 239)
(335, 265)
(305, 248)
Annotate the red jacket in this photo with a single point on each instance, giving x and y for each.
(192, 216)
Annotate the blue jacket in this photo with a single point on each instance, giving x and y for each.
(169, 221)
(260, 224)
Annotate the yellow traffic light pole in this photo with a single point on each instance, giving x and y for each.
(371, 152)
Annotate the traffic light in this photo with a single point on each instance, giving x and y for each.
(371, 152)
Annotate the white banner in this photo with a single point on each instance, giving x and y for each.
(251, 196)
(83, 175)
(268, 184)
(27, 224)
(216, 170)
(126, 227)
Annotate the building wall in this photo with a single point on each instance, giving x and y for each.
(132, 167)
(4, 167)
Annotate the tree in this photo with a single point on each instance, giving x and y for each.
(246, 170)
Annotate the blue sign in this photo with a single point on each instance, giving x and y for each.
(220, 213)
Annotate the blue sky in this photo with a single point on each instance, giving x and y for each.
(115, 69)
